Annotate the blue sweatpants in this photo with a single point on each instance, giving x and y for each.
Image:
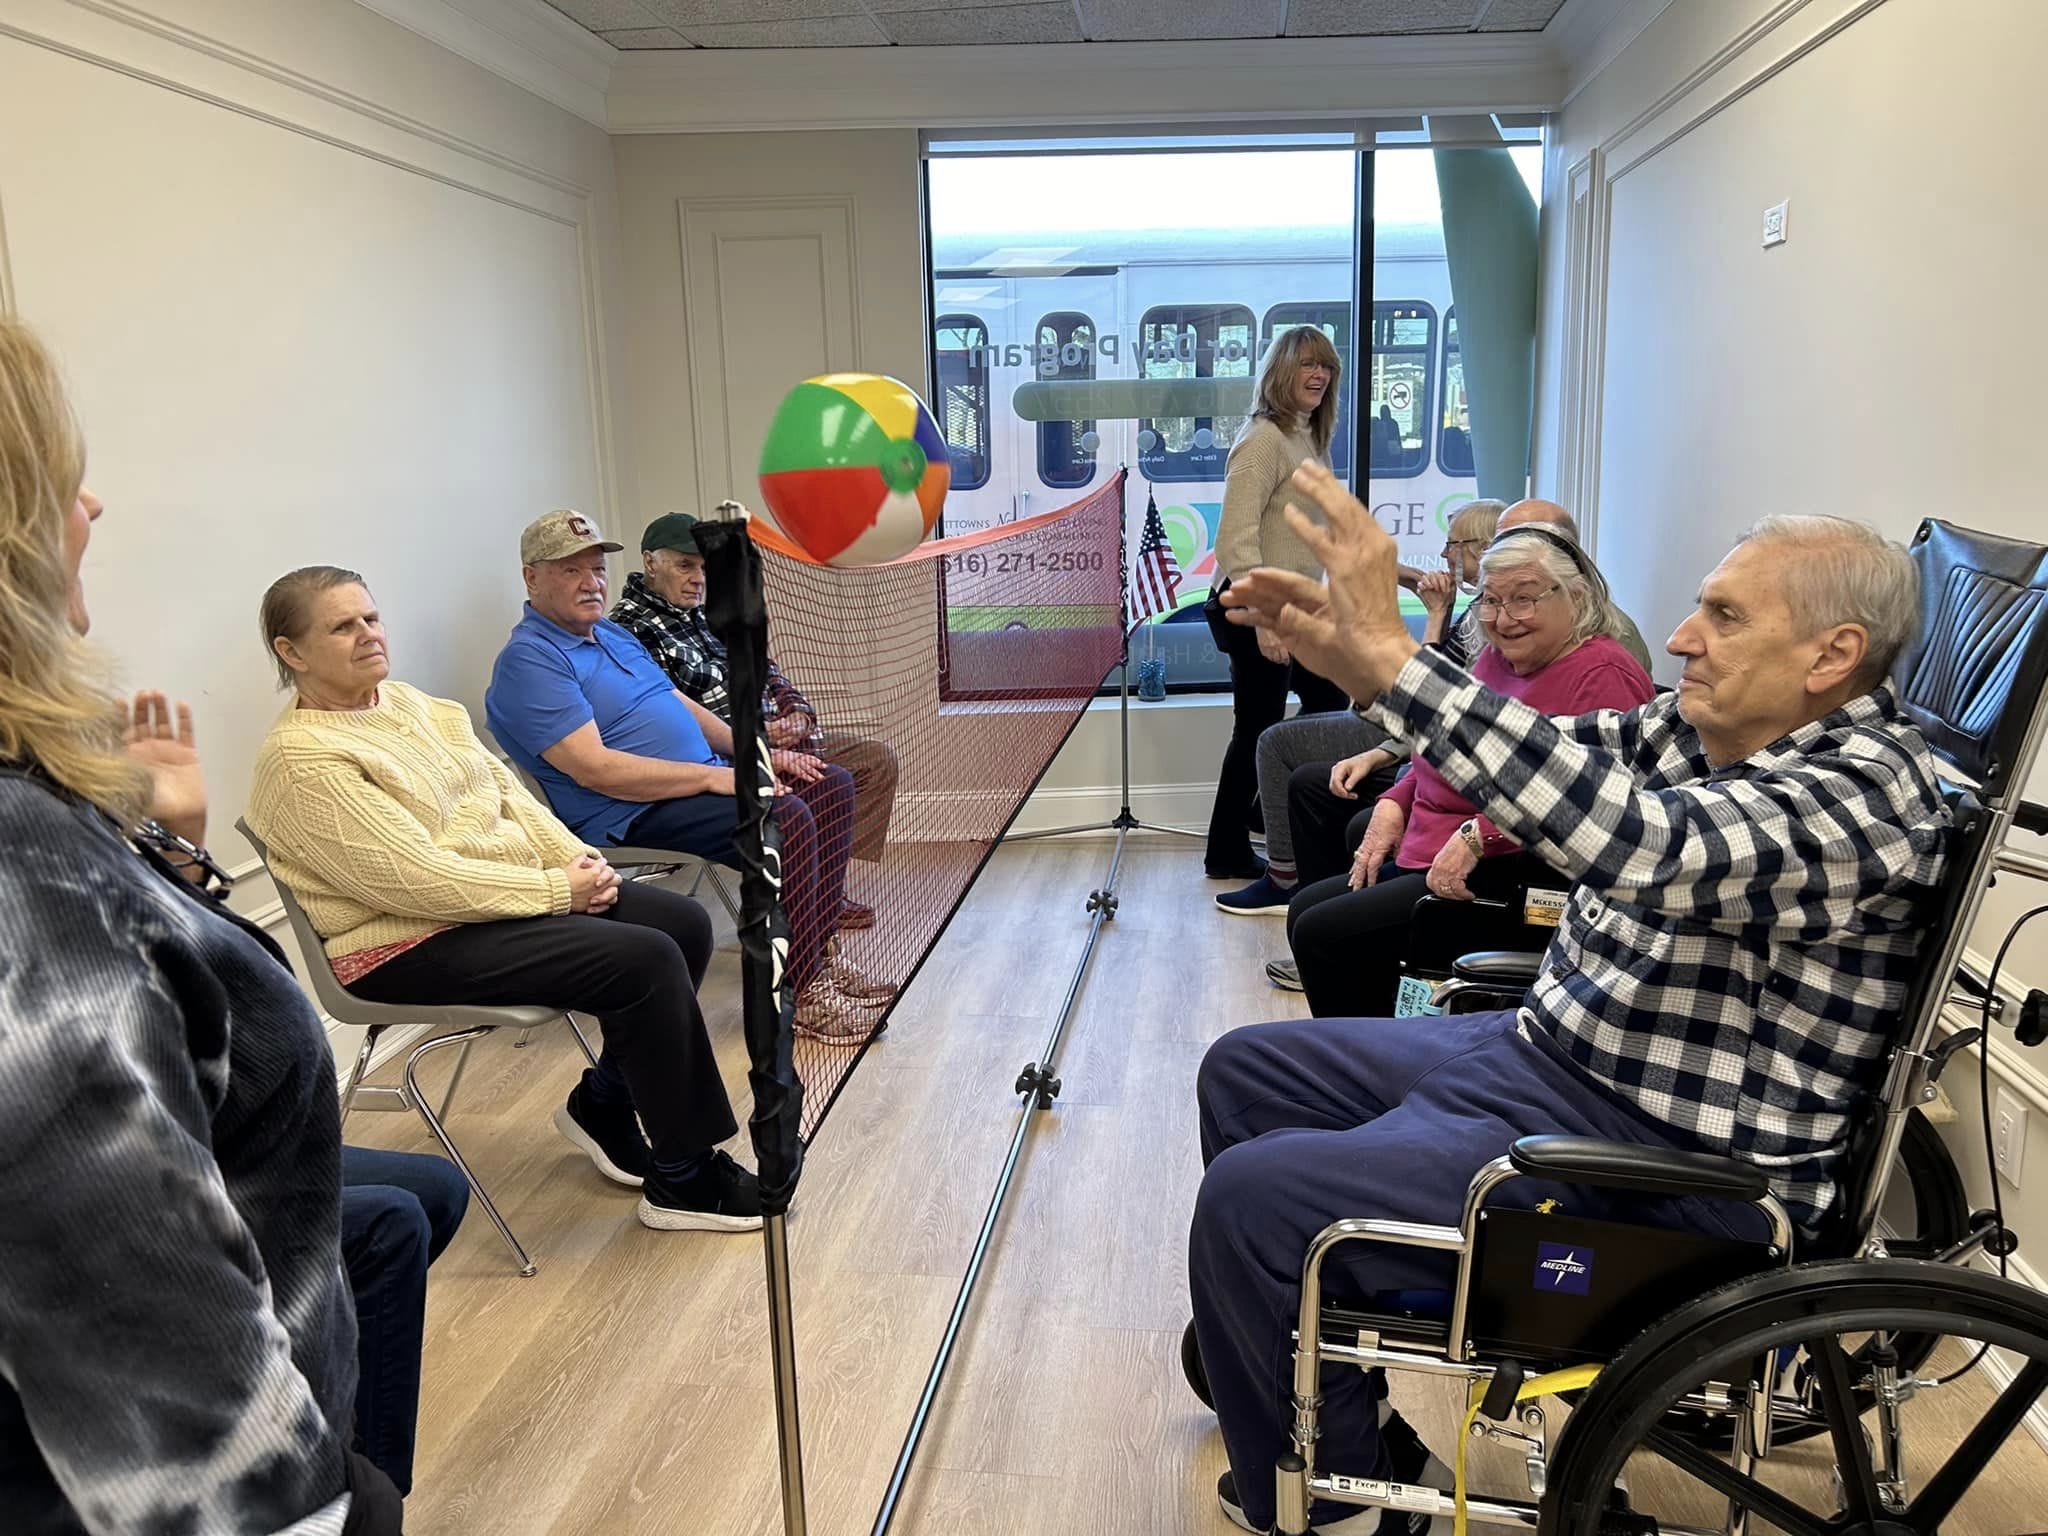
(1308, 1122)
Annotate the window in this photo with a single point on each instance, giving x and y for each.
(1398, 407)
(961, 347)
(1454, 442)
(1333, 319)
(1066, 350)
(1192, 341)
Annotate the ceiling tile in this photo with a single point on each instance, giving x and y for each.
(1519, 15)
(644, 37)
(1180, 20)
(710, 13)
(603, 15)
(1378, 18)
(819, 32)
(1042, 23)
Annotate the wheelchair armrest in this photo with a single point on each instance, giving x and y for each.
(1627, 1165)
(1506, 967)
(2030, 817)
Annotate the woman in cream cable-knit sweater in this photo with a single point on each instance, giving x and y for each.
(436, 878)
(1293, 420)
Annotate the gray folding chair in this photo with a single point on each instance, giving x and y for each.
(450, 1025)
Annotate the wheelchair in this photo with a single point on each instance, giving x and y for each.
(1709, 1354)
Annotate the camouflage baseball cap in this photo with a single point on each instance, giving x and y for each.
(559, 535)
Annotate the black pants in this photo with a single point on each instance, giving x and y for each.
(1328, 828)
(635, 967)
(1350, 944)
(1258, 699)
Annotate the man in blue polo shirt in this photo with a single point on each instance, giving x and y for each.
(625, 759)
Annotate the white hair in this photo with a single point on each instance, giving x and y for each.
(1845, 572)
(1593, 608)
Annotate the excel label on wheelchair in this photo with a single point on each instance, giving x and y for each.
(1707, 1356)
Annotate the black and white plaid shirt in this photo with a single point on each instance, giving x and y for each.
(1738, 946)
(681, 642)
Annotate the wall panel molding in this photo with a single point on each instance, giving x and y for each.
(530, 44)
(128, 40)
(811, 317)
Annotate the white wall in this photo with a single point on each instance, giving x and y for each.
(325, 292)
(1884, 362)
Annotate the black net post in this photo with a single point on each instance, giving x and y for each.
(738, 615)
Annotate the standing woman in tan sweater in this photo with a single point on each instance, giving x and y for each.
(435, 877)
(1293, 420)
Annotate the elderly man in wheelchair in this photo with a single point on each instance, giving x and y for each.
(1652, 1180)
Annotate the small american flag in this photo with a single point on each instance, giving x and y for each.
(1156, 574)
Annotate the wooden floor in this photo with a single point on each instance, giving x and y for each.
(626, 1387)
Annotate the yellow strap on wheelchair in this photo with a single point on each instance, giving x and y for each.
(1568, 1380)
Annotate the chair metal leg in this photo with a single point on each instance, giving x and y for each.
(525, 1035)
(455, 1077)
(582, 1039)
(724, 896)
(355, 1075)
(426, 1112)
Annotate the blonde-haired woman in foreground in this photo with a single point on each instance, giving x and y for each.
(177, 1346)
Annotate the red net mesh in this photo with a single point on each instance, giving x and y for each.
(944, 683)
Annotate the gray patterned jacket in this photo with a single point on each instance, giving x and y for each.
(177, 1344)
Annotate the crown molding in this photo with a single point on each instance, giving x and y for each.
(1589, 35)
(1020, 85)
(524, 41)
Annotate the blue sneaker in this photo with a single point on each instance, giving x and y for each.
(1262, 898)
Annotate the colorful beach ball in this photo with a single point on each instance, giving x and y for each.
(854, 468)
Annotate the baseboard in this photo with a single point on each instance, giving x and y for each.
(1171, 805)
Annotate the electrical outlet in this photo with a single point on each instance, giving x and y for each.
(1774, 224)
(2008, 1135)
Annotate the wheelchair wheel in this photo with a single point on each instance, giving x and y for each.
(1723, 1336)
(1939, 1219)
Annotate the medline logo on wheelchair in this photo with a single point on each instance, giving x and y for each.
(1559, 1268)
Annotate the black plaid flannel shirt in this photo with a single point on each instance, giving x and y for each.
(1739, 942)
(681, 642)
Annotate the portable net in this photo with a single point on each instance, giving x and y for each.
(959, 671)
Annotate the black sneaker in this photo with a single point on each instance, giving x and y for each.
(723, 1198)
(607, 1134)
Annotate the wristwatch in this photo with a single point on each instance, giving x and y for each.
(1469, 831)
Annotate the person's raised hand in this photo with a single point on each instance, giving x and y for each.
(158, 735)
(1273, 648)
(1348, 627)
(1437, 589)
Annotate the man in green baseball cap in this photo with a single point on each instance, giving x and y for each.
(663, 608)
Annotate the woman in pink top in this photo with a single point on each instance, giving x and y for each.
(1550, 641)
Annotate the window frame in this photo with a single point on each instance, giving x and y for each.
(1189, 475)
(1446, 349)
(978, 382)
(1341, 437)
(1087, 462)
(1428, 351)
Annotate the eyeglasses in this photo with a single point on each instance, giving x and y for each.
(1521, 606)
(1464, 543)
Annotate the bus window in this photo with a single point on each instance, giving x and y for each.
(1333, 319)
(1192, 341)
(960, 343)
(1398, 402)
(1066, 350)
(1454, 441)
